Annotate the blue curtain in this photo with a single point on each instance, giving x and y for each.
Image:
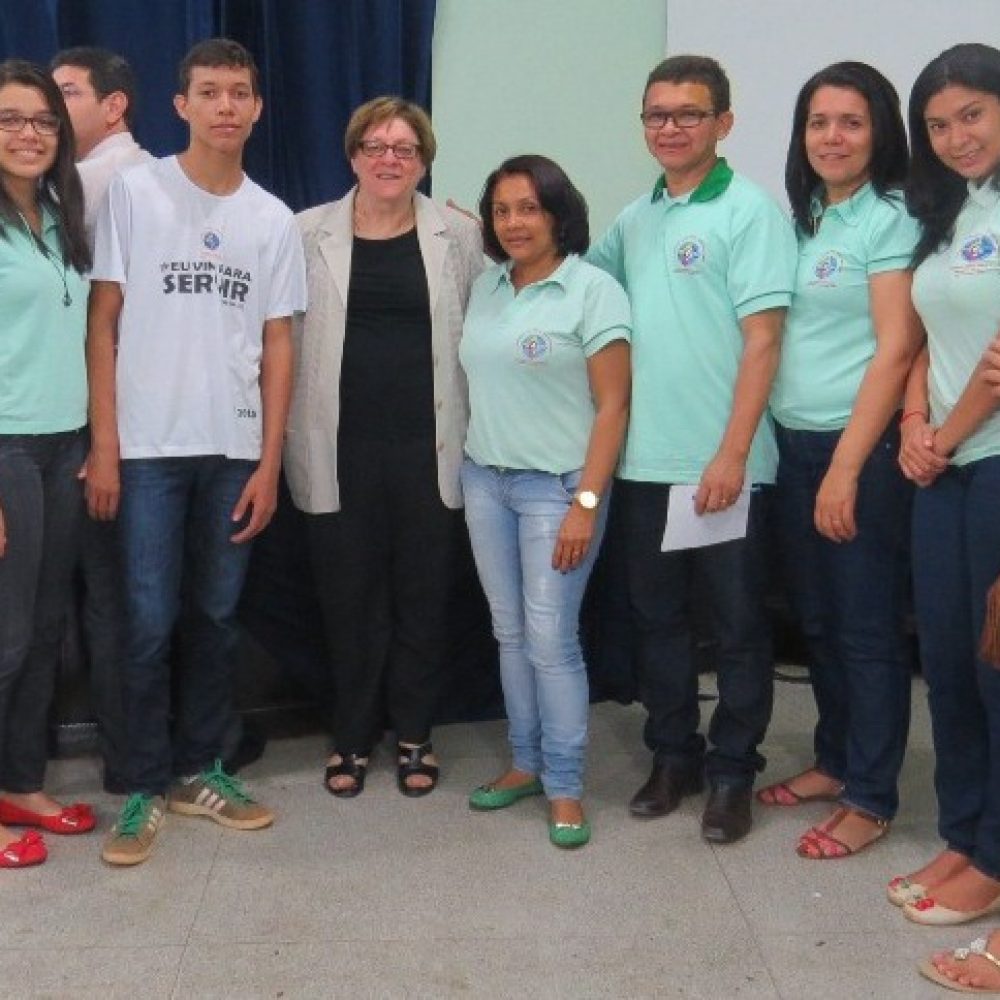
(319, 59)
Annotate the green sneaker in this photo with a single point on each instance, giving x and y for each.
(130, 841)
(220, 797)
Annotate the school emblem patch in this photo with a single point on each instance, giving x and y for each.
(211, 240)
(534, 347)
(828, 265)
(690, 253)
(978, 248)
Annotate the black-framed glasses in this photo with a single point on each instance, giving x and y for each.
(401, 150)
(685, 118)
(14, 121)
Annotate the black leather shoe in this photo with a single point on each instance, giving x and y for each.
(727, 817)
(666, 785)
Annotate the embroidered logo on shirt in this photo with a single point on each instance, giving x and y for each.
(690, 254)
(827, 268)
(211, 240)
(979, 247)
(534, 347)
(978, 253)
(828, 265)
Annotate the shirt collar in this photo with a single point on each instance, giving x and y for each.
(712, 185)
(559, 276)
(120, 140)
(985, 194)
(850, 211)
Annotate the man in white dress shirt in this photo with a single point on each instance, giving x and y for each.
(99, 90)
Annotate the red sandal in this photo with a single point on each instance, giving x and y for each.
(77, 818)
(819, 844)
(29, 850)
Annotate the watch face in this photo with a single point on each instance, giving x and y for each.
(588, 499)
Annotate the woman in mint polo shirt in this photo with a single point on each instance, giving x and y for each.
(952, 450)
(43, 410)
(842, 503)
(546, 351)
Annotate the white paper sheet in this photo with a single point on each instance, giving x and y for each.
(688, 530)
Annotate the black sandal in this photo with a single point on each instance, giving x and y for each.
(349, 767)
(411, 763)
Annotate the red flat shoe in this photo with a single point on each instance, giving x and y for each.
(77, 818)
(29, 850)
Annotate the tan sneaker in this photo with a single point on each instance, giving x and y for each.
(131, 839)
(220, 797)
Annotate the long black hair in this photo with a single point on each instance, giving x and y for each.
(59, 187)
(887, 167)
(556, 194)
(935, 194)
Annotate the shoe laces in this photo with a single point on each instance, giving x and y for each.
(134, 815)
(226, 785)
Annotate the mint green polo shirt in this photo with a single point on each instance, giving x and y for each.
(43, 373)
(957, 293)
(693, 267)
(829, 339)
(525, 357)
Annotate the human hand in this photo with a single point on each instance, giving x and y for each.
(990, 372)
(260, 498)
(721, 484)
(575, 535)
(101, 485)
(917, 457)
(833, 514)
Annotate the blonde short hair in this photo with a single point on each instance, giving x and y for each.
(383, 109)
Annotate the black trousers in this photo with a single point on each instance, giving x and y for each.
(661, 589)
(384, 568)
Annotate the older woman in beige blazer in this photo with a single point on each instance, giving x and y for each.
(375, 436)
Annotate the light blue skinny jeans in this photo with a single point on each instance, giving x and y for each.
(514, 517)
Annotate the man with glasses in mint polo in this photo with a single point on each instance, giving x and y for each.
(707, 260)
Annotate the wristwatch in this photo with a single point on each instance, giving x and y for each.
(587, 499)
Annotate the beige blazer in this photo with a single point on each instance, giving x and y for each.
(452, 249)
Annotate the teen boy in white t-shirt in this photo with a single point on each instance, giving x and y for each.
(197, 273)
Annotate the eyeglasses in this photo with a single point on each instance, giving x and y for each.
(402, 150)
(14, 121)
(687, 118)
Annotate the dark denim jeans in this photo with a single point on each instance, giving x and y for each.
(103, 619)
(41, 498)
(176, 525)
(661, 588)
(956, 558)
(850, 601)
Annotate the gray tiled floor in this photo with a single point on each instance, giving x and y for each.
(385, 896)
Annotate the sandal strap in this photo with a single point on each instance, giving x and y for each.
(977, 947)
(415, 755)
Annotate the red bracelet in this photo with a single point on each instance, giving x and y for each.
(912, 413)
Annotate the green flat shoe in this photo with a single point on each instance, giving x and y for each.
(491, 797)
(569, 834)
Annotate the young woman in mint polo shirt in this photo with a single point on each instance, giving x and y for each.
(951, 450)
(842, 503)
(43, 412)
(546, 351)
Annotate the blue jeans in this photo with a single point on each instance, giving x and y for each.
(41, 498)
(175, 524)
(662, 587)
(956, 558)
(850, 601)
(514, 518)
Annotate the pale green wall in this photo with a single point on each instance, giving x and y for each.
(559, 77)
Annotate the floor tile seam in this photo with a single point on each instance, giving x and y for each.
(194, 917)
(51, 947)
(752, 934)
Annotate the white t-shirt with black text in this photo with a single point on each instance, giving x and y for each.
(201, 274)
